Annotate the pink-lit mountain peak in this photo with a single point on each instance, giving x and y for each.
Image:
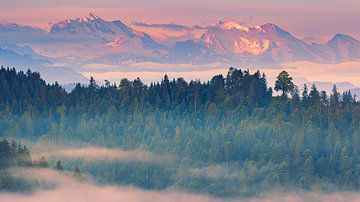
(93, 26)
(231, 25)
(68, 23)
(89, 24)
(269, 28)
(89, 18)
(115, 35)
(229, 36)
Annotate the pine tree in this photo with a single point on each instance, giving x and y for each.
(58, 166)
(284, 83)
(77, 174)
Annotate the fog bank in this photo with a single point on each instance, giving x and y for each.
(71, 190)
(95, 154)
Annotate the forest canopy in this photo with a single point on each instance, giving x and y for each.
(300, 139)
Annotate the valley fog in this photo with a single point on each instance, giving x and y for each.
(71, 190)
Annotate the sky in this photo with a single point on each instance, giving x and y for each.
(315, 20)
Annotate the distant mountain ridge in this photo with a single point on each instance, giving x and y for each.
(91, 39)
(24, 58)
(270, 44)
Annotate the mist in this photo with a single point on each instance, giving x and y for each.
(70, 190)
(96, 153)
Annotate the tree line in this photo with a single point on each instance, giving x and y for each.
(301, 138)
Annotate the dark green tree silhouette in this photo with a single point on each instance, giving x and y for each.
(58, 166)
(77, 173)
(284, 83)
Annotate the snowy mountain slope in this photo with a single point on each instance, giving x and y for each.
(268, 43)
(265, 44)
(191, 52)
(114, 35)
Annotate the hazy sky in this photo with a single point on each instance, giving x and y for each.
(320, 18)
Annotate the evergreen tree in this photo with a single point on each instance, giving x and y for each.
(77, 174)
(58, 166)
(284, 83)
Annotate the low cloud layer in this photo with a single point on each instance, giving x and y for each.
(170, 26)
(71, 190)
(94, 154)
(170, 33)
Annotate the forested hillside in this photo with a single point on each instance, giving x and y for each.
(229, 136)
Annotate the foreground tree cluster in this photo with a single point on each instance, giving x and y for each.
(231, 126)
(14, 155)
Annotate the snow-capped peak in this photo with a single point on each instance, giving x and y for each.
(268, 28)
(89, 18)
(231, 24)
(65, 23)
(93, 16)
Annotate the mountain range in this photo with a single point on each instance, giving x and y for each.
(91, 40)
(267, 44)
